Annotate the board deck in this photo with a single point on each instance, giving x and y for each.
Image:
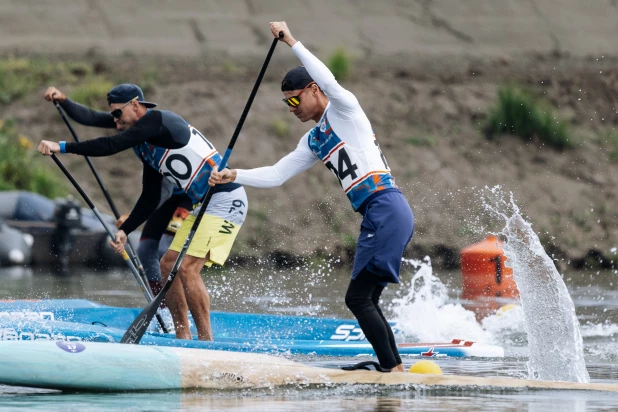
(95, 366)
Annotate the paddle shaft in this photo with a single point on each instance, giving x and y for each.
(130, 247)
(140, 324)
(112, 236)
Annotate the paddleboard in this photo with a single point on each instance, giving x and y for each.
(34, 330)
(82, 320)
(92, 366)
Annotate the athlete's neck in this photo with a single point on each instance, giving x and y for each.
(142, 111)
(322, 104)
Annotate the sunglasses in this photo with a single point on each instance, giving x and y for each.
(117, 113)
(294, 101)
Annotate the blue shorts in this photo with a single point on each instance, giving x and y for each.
(386, 230)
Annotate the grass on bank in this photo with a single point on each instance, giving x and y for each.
(280, 127)
(519, 113)
(92, 93)
(339, 64)
(22, 167)
(20, 76)
(421, 140)
(89, 81)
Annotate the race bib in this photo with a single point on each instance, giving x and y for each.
(183, 165)
(351, 167)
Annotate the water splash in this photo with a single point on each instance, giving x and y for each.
(595, 330)
(507, 328)
(424, 314)
(555, 340)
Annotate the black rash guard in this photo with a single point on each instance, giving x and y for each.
(159, 128)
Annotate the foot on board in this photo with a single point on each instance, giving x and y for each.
(366, 366)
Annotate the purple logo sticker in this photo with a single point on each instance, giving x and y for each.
(72, 347)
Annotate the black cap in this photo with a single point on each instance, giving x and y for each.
(127, 92)
(296, 79)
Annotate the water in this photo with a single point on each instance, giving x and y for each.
(424, 300)
(555, 341)
(435, 312)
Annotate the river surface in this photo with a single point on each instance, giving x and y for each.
(317, 289)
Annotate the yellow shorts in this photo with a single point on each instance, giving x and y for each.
(215, 235)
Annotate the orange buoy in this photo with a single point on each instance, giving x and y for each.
(487, 283)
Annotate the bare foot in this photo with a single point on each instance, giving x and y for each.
(398, 368)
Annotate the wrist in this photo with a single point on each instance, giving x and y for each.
(233, 175)
(291, 41)
(63, 146)
(124, 229)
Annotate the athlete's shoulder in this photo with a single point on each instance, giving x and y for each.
(168, 116)
(151, 118)
(175, 123)
(307, 136)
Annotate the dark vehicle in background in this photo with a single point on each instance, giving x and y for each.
(62, 232)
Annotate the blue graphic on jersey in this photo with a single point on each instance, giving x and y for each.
(370, 185)
(323, 142)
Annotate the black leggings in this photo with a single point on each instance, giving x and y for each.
(362, 299)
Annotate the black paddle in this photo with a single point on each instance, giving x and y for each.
(140, 324)
(125, 256)
(130, 247)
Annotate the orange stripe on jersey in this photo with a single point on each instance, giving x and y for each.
(206, 159)
(164, 157)
(376, 180)
(332, 151)
(357, 181)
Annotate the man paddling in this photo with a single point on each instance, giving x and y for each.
(343, 139)
(161, 226)
(167, 146)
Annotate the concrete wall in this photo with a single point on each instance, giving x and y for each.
(367, 28)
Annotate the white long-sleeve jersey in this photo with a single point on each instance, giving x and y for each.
(343, 139)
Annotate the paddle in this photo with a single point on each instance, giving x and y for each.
(125, 256)
(130, 247)
(140, 324)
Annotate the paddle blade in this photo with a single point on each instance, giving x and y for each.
(139, 326)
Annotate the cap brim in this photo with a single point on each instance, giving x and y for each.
(149, 105)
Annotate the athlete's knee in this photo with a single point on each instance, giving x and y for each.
(167, 262)
(188, 269)
(357, 304)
